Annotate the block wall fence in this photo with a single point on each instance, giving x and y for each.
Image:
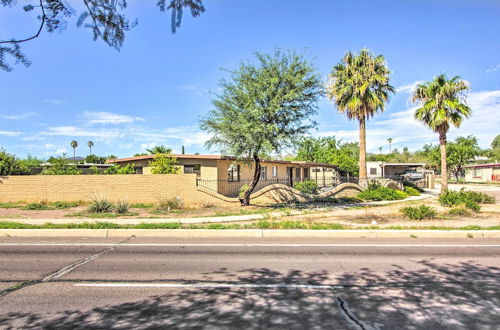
(142, 189)
(131, 188)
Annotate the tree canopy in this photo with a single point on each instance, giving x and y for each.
(105, 18)
(263, 107)
(331, 151)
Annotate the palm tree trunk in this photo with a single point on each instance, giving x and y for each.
(362, 152)
(74, 153)
(256, 176)
(444, 171)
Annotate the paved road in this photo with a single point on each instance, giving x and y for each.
(78, 283)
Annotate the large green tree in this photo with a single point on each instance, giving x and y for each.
(359, 87)
(106, 19)
(494, 153)
(442, 104)
(263, 107)
(331, 151)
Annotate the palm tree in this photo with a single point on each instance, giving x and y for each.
(159, 150)
(74, 145)
(90, 144)
(442, 103)
(380, 150)
(390, 144)
(359, 86)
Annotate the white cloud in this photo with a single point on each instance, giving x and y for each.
(74, 131)
(409, 87)
(108, 118)
(494, 68)
(10, 133)
(19, 116)
(55, 101)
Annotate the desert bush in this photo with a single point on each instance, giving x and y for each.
(64, 205)
(460, 210)
(142, 206)
(43, 205)
(101, 206)
(410, 191)
(471, 199)
(122, 207)
(165, 205)
(307, 186)
(418, 212)
(376, 192)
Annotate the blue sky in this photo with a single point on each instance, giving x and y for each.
(155, 89)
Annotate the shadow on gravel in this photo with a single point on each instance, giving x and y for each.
(463, 296)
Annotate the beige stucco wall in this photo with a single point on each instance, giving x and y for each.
(131, 188)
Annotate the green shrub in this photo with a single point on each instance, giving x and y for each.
(166, 205)
(418, 212)
(9, 205)
(242, 190)
(43, 205)
(64, 205)
(460, 210)
(471, 199)
(117, 169)
(142, 206)
(121, 207)
(101, 206)
(410, 191)
(378, 193)
(307, 186)
(413, 185)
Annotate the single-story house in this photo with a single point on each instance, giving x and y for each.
(482, 172)
(226, 175)
(395, 170)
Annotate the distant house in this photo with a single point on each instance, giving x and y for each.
(226, 175)
(395, 170)
(482, 172)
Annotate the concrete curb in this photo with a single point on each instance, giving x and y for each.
(249, 233)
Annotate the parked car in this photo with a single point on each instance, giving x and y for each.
(412, 175)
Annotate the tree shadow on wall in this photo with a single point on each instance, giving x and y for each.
(459, 296)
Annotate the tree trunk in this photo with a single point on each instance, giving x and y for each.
(444, 171)
(362, 152)
(256, 176)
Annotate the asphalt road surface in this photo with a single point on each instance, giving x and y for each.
(77, 283)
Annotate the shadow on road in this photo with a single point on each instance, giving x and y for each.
(459, 296)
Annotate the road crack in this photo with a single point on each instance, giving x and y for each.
(63, 271)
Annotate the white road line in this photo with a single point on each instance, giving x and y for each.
(208, 285)
(250, 245)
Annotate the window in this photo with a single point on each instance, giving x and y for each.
(306, 174)
(373, 171)
(477, 173)
(263, 172)
(192, 169)
(233, 172)
(297, 173)
(275, 171)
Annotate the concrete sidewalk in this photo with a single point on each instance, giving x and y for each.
(200, 220)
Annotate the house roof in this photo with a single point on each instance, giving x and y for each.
(220, 157)
(483, 165)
